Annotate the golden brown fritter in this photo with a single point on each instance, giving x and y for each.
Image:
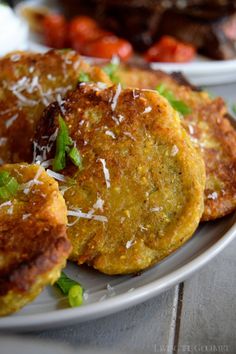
(28, 83)
(210, 130)
(33, 242)
(139, 195)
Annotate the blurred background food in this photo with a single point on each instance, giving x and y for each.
(159, 30)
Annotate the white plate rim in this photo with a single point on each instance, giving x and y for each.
(119, 302)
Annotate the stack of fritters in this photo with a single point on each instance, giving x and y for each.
(134, 186)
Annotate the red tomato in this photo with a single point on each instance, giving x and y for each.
(83, 29)
(169, 49)
(55, 31)
(107, 47)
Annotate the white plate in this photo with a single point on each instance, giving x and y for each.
(50, 308)
(202, 71)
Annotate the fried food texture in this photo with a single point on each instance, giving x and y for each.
(210, 129)
(33, 242)
(28, 83)
(139, 194)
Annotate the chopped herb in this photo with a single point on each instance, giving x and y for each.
(234, 108)
(8, 185)
(75, 157)
(72, 289)
(111, 70)
(64, 146)
(83, 77)
(179, 106)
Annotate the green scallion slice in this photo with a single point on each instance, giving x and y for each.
(83, 77)
(111, 70)
(63, 147)
(75, 296)
(8, 185)
(4, 177)
(234, 108)
(4, 193)
(72, 289)
(75, 157)
(178, 105)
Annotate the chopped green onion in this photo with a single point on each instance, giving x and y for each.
(83, 77)
(234, 108)
(72, 289)
(4, 177)
(111, 70)
(8, 185)
(179, 106)
(75, 296)
(4, 193)
(12, 185)
(75, 157)
(63, 147)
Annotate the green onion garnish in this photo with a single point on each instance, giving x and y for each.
(234, 108)
(83, 77)
(75, 157)
(72, 289)
(4, 177)
(111, 70)
(64, 146)
(179, 106)
(8, 185)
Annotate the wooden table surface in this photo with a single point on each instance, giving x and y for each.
(197, 316)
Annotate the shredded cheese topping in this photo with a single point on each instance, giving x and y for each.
(106, 173)
(115, 98)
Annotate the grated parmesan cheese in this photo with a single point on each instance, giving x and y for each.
(212, 196)
(115, 98)
(156, 209)
(129, 135)
(11, 120)
(174, 150)
(57, 176)
(147, 110)
(106, 173)
(79, 214)
(110, 133)
(99, 204)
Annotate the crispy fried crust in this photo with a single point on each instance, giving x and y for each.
(28, 83)
(33, 242)
(210, 130)
(140, 193)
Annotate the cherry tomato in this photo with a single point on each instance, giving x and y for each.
(169, 49)
(107, 47)
(83, 29)
(55, 31)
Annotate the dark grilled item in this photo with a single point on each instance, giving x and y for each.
(210, 130)
(210, 28)
(139, 195)
(33, 242)
(28, 83)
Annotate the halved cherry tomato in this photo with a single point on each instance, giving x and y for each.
(55, 31)
(169, 49)
(107, 47)
(83, 29)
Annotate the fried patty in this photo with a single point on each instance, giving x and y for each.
(139, 195)
(209, 129)
(33, 242)
(28, 83)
